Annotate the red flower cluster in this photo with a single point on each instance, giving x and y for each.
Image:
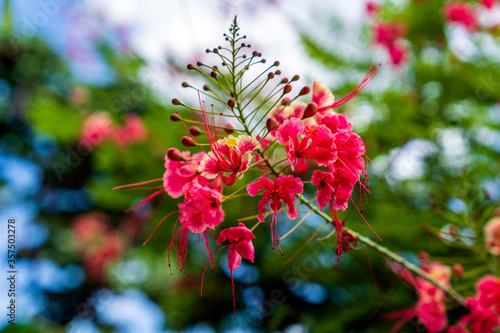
(389, 35)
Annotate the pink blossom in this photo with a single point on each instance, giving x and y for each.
(387, 33)
(283, 188)
(229, 155)
(492, 236)
(480, 319)
(240, 245)
(96, 128)
(201, 208)
(489, 292)
(316, 143)
(461, 13)
(489, 4)
(397, 53)
(179, 173)
(371, 8)
(132, 131)
(282, 113)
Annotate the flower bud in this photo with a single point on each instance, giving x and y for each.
(190, 67)
(458, 270)
(228, 128)
(187, 141)
(285, 80)
(310, 110)
(454, 230)
(285, 101)
(278, 72)
(260, 55)
(175, 101)
(255, 53)
(287, 88)
(216, 50)
(213, 74)
(207, 50)
(231, 103)
(199, 63)
(194, 130)
(422, 255)
(206, 87)
(304, 91)
(175, 117)
(276, 63)
(263, 60)
(295, 78)
(270, 75)
(185, 84)
(271, 123)
(174, 154)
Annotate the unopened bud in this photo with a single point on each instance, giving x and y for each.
(276, 63)
(187, 141)
(285, 101)
(216, 50)
(194, 130)
(304, 91)
(175, 101)
(270, 76)
(295, 78)
(310, 110)
(454, 230)
(229, 128)
(185, 84)
(287, 89)
(175, 117)
(255, 53)
(260, 55)
(207, 50)
(243, 44)
(285, 80)
(231, 103)
(271, 123)
(278, 72)
(199, 63)
(263, 60)
(174, 154)
(213, 74)
(190, 66)
(422, 255)
(458, 270)
(206, 87)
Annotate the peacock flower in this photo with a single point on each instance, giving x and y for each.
(232, 155)
(284, 188)
(315, 142)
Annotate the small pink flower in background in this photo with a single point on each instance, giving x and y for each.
(489, 4)
(371, 8)
(96, 128)
(283, 188)
(133, 130)
(98, 242)
(492, 236)
(231, 155)
(316, 143)
(461, 13)
(387, 33)
(397, 53)
(430, 308)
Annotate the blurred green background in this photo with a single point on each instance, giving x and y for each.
(431, 125)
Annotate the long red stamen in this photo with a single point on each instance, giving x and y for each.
(234, 297)
(203, 275)
(163, 219)
(370, 75)
(148, 199)
(201, 251)
(172, 242)
(209, 252)
(380, 239)
(137, 184)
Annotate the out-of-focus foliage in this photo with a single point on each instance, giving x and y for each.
(432, 129)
